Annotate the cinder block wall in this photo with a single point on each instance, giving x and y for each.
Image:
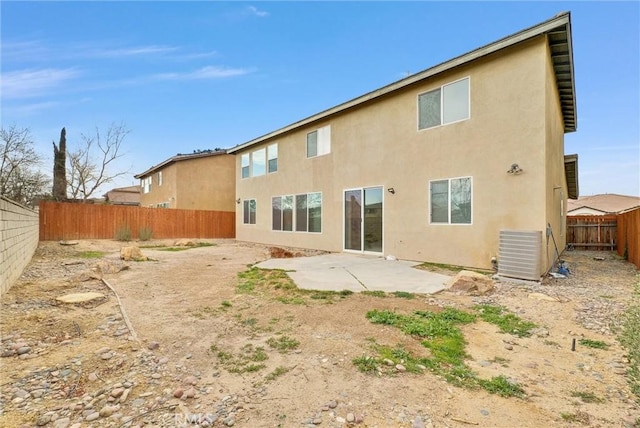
(18, 240)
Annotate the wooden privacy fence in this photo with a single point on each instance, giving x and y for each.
(592, 232)
(629, 236)
(86, 221)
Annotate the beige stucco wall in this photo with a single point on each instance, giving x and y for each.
(378, 144)
(556, 183)
(205, 183)
(161, 193)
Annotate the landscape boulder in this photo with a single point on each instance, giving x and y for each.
(132, 252)
(470, 282)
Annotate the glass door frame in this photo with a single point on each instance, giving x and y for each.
(362, 220)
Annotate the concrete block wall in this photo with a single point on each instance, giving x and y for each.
(19, 229)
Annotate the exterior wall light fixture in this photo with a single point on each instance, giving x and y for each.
(515, 169)
(391, 190)
(238, 201)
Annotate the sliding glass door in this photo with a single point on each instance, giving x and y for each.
(363, 219)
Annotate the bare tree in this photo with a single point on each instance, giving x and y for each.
(89, 164)
(20, 177)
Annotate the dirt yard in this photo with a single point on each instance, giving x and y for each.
(211, 349)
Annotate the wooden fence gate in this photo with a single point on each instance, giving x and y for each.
(592, 232)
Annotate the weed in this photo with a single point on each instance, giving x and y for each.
(552, 343)
(200, 313)
(404, 294)
(283, 343)
(606, 296)
(502, 361)
(225, 304)
(366, 364)
(291, 300)
(249, 359)
(587, 397)
(275, 278)
(630, 339)
(597, 344)
(279, 371)
(450, 268)
(375, 293)
(502, 386)
(186, 247)
(123, 234)
(580, 417)
(90, 254)
(440, 333)
(250, 322)
(145, 234)
(507, 322)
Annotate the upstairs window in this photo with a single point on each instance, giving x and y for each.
(159, 178)
(272, 158)
(244, 163)
(319, 142)
(258, 162)
(447, 104)
(451, 201)
(145, 183)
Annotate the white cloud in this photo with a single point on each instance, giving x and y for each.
(209, 72)
(252, 10)
(33, 82)
(131, 51)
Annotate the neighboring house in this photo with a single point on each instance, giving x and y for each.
(123, 196)
(608, 203)
(203, 180)
(430, 168)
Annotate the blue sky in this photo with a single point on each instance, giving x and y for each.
(197, 75)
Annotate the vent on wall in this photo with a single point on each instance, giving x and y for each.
(519, 254)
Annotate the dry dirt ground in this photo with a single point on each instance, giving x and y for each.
(265, 359)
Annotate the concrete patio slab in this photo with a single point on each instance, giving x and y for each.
(343, 271)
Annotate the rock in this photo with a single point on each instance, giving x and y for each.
(470, 282)
(359, 419)
(132, 252)
(109, 267)
(92, 377)
(508, 346)
(178, 392)
(68, 242)
(484, 363)
(61, 423)
(23, 350)
(153, 346)
(80, 297)
(417, 423)
(190, 393)
(37, 393)
(332, 404)
(125, 395)
(102, 351)
(190, 380)
(156, 376)
(185, 243)
(7, 353)
(107, 356)
(388, 362)
(401, 368)
(107, 411)
(21, 393)
(92, 417)
(117, 392)
(340, 420)
(351, 417)
(43, 420)
(541, 296)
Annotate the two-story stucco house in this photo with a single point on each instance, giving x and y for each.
(442, 166)
(203, 180)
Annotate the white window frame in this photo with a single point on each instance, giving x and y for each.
(294, 216)
(243, 157)
(272, 154)
(247, 203)
(260, 153)
(441, 88)
(146, 184)
(448, 222)
(159, 178)
(323, 142)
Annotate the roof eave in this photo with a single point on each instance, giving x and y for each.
(558, 22)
